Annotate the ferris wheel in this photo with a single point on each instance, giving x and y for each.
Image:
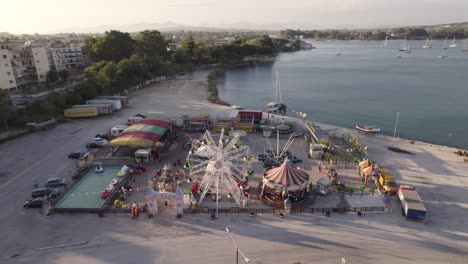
(220, 163)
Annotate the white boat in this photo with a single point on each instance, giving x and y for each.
(428, 44)
(442, 54)
(408, 50)
(368, 129)
(445, 45)
(465, 46)
(385, 44)
(338, 52)
(237, 107)
(453, 45)
(277, 107)
(405, 46)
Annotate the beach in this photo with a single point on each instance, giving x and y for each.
(439, 175)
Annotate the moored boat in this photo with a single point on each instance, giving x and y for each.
(368, 129)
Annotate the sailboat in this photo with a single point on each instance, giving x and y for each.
(338, 52)
(465, 46)
(442, 54)
(405, 47)
(408, 50)
(428, 44)
(277, 106)
(445, 45)
(385, 44)
(453, 45)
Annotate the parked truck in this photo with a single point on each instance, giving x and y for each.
(412, 206)
(101, 108)
(387, 182)
(50, 123)
(80, 112)
(123, 99)
(115, 103)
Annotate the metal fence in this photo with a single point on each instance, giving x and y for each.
(310, 210)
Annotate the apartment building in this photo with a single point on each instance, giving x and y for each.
(7, 78)
(67, 58)
(27, 63)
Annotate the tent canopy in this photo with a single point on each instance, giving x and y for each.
(143, 133)
(368, 171)
(288, 176)
(365, 163)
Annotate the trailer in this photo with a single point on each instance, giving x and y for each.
(80, 112)
(115, 103)
(249, 115)
(412, 206)
(50, 123)
(123, 99)
(101, 108)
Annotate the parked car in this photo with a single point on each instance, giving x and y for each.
(56, 182)
(107, 136)
(97, 143)
(75, 155)
(36, 202)
(93, 145)
(45, 191)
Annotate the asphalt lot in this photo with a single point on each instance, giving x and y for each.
(382, 238)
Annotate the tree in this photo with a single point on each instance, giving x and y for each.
(113, 46)
(63, 74)
(52, 76)
(150, 45)
(5, 107)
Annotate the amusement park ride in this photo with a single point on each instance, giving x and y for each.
(221, 164)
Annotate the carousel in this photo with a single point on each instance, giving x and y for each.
(284, 181)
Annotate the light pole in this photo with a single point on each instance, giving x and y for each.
(246, 259)
(396, 125)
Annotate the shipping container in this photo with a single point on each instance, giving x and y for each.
(102, 108)
(123, 99)
(80, 112)
(248, 115)
(412, 206)
(115, 103)
(50, 123)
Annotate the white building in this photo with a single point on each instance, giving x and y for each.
(27, 63)
(67, 58)
(7, 77)
(223, 41)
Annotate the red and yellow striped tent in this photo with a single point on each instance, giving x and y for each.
(286, 175)
(142, 134)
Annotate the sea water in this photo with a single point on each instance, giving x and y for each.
(367, 84)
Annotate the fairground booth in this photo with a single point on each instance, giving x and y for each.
(143, 136)
(285, 181)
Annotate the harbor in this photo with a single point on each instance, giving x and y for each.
(437, 173)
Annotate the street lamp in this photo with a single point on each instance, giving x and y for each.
(246, 259)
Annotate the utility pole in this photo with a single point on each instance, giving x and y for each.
(396, 125)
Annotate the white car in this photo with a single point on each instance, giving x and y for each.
(100, 141)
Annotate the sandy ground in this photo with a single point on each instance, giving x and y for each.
(440, 176)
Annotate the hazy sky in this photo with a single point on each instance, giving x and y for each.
(42, 16)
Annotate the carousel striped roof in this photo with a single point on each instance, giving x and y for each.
(286, 175)
(143, 133)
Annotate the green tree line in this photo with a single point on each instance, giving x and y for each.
(396, 33)
(122, 61)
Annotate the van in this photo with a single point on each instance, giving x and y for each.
(117, 130)
(133, 119)
(45, 191)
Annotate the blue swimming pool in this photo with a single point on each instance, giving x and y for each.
(87, 192)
